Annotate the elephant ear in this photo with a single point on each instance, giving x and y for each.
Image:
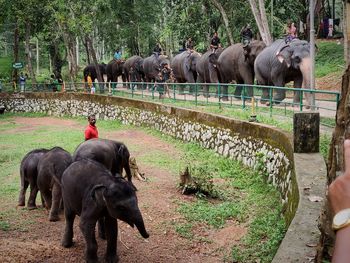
(97, 193)
(284, 54)
(213, 59)
(246, 51)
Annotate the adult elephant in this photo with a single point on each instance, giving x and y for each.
(207, 69)
(29, 175)
(50, 169)
(115, 69)
(133, 69)
(152, 66)
(236, 63)
(114, 155)
(90, 191)
(281, 63)
(184, 67)
(90, 69)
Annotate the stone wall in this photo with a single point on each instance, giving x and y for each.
(255, 145)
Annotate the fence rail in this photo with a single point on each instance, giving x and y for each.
(223, 95)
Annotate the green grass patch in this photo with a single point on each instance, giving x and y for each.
(329, 58)
(5, 68)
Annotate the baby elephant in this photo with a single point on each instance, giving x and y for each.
(50, 169)
(90, 191)
(29, 174)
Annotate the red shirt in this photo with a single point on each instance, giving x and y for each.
(91, 132)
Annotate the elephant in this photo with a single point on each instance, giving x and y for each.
(236, 63)
(50, 169)
(90, 191)
(184, 67)
(29, 175)
(207, 69)
(281, 63)
(114, 69)
(133, 69)
(114, 155)
(152, 66)
(91, 69)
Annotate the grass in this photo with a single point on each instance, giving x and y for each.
(5, 68)
(246, 197)
(329, 58)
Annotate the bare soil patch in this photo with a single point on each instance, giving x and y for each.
(39, 240)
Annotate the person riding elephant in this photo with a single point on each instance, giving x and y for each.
(207, 69)
(29, 175)
(50, 169)
(90, 69)
(281, 63)
(236, 63)
(184, 67)
(114, 69)
(90, 191)
(133, 69)
(152, 66)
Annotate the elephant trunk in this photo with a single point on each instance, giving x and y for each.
(141, 226)
(305, 68)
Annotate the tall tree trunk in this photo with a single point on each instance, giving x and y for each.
(28, 53)
(221, 9)
(56, 59)
(87, 50)
(261, 20)
(94, 59)
(15, 53)
(347, 31)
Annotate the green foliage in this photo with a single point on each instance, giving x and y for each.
(5, 68)
(325, 141)
(329, 58)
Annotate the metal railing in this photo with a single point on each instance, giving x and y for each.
(203, 94)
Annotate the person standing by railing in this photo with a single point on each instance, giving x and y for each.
(22, 82)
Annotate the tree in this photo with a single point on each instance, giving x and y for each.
(218, 5)
(259, 12)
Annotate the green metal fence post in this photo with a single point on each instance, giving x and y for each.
(301, 101)
(270, 98)
(243, 97)
(337, 98)
(153, 87)
(196, 93)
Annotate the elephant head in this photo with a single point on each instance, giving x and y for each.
(190, 66)
(252, 50)
(121, 202)
(213, 65)
(296, 55)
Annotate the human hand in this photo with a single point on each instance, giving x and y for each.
(339, 189)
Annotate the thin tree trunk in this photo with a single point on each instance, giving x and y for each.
(15, 53)
(94, 59)
(28, 53)
(259, 22)
(221, 9)
(346, 31)
(265, 22)
(87, 51)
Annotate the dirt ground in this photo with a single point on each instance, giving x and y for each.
(40, 240)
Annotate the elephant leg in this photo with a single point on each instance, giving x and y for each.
(111, 234)
(87, 227)
(47, 196)
(238, 92)
(22, 193)
(280, 94)
(101, 228)
(297, 84)
(33, 192)
(56, 200)
(224, 93)
(67, 240)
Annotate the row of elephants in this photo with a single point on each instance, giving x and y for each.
(89, 184)
(274, 65)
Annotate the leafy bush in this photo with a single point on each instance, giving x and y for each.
(329, 58)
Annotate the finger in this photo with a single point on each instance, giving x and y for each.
(347, 156)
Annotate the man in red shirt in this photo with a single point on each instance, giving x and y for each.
(91, 130)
